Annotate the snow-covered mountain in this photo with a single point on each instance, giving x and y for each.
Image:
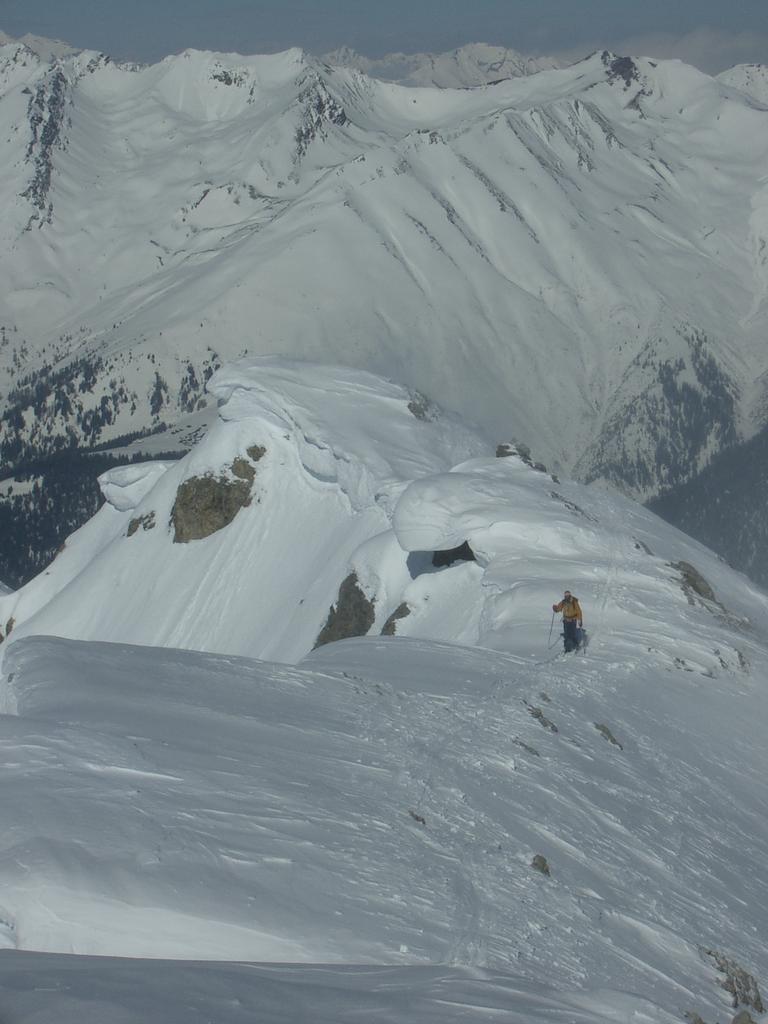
(749, 78)
(464, 68)
(479, 822)
(338, 488)
(573, 258)
(41, 46)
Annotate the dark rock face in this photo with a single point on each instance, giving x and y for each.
(422, 407)
(463, 553)
(256, 452)
(608, 735)
(740, 985)
(390, 626)
(353, 614)
(620, 69)
(541, 864)
(693, 582)
(206, 504)
(522, 451)
(8, 629)
(46, 113)
(146, 522)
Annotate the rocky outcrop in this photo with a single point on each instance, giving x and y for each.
(390, 626)
(606, 733)
(540, 863)
(692, 582)
(145, 522)
(422, 407)
(206, 504)
(739, 984)
(353, 614)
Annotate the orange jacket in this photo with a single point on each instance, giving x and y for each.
(570, 609)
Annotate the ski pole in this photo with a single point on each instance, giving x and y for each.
(549, 638)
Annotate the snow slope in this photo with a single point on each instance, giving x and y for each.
(573, 256)
(750, 78)
(330, 450)
(342, 474)
(68, 990)
(383, 803)
(472, 816)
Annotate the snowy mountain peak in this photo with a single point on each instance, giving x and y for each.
(475, 64)
(40, 46)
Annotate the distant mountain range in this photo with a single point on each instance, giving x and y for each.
(574, 258)
(464, 68)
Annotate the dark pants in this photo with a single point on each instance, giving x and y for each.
(570, 634)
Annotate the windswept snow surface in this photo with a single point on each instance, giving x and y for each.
(84, 990)
(382, 801)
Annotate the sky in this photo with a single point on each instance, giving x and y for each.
(711, 34)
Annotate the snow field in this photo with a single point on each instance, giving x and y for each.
(558, 836)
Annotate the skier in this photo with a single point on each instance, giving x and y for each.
(572, 620)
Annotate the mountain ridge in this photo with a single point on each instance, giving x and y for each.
(287, 718)
(605, 219)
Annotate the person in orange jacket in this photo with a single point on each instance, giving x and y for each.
(572, 620)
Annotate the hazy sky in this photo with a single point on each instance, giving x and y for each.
(713, 34)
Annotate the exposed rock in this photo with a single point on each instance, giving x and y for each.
(463, 553)
(694, 1018)
(523, 452)
(620, 68)
(539, 862)
(146, 522)
(692, 582)
(606, 732)
(243, 470)
(541, 718)
(573, 507)
(353, 615)
(206, 504)
(744, 1017)
(643, 547)
(417, 817)
(528, 748)
(741, 986)
(422, 407)
(401, 612)
(256, 452)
